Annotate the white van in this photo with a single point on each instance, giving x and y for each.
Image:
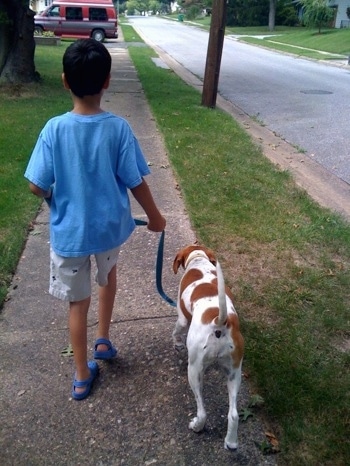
(79, 19)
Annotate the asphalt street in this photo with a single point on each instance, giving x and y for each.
(305, 102)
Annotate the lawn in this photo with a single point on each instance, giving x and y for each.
(330, 40)
(331, 44)
(23, 112)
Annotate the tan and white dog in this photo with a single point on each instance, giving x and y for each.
(207, 315)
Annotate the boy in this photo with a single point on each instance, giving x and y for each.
(82, 164)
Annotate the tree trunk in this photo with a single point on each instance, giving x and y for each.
(272, 14)
(17, 42)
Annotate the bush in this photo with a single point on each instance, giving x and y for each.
(193, 12)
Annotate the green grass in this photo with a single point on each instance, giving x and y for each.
(299, 40)
(331, 40)
(259, 30)
(286, 259)
(295, 50)
(129, 33)
(23, 112)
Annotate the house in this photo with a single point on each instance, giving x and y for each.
(341, 19)
(39, 5)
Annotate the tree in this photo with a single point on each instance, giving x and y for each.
(247, 12)
(286, 13)
(17, 42)
(140, 6)
(272, 14)
(261, 13)
(317, 13)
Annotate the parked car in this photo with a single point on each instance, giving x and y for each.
(79, 19)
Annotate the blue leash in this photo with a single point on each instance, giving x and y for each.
(159, 265)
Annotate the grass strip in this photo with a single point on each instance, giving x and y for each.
(292, 49)
(286, 259)
(330, 40)
(23, 112)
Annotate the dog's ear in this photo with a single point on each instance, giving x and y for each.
(211, 256)
(179, 260)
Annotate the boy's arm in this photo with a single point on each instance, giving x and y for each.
(40, 192)
(143, 195)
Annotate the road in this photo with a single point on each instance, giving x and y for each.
(305, 102)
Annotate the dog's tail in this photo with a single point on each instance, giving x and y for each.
(222, 295)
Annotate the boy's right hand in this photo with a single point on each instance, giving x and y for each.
(157, 224)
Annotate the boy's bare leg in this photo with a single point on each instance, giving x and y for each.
(106, 295)
(78, 336)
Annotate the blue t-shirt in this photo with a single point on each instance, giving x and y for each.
(89, 161)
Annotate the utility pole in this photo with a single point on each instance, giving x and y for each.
(215, 46)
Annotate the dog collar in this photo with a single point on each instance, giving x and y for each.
(194, 255)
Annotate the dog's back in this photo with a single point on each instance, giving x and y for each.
(214, 331)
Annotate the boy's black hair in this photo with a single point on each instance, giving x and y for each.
(86, 65)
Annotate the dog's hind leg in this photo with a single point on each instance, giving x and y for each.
(233, 384)
(195, 378)
(180, 332)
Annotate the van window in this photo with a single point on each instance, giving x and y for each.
(55, 11)
(98, 14)
(74, 13)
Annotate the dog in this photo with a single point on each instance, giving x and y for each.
(207, 316)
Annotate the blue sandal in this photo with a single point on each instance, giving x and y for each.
(108, 354)
(94, 370)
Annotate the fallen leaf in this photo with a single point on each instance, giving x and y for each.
(273, 442)
(67, 351)
(245, 413)
(256, 400)
(35, 233)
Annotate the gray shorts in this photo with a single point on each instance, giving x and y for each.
(70, 277)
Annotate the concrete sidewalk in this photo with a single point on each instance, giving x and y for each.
(139, 408)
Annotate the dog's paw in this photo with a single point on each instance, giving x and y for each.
(179, 343)
(231, 445)
(197, 425)
(179, 347)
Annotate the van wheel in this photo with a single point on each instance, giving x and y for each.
(38, 30)
(98, 35)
